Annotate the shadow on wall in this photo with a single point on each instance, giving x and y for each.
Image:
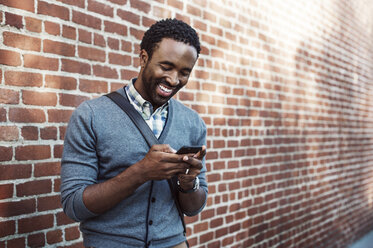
(323, 139)
(337, 145)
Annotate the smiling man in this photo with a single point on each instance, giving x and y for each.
(111, 181)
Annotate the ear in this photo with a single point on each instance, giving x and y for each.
(143, 58)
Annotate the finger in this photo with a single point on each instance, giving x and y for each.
(163, 148)
(201, 153)
(195, 163)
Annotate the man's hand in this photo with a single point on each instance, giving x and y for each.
(195, 161)
(162, 162)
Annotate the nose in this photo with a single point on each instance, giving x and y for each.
(173, 79)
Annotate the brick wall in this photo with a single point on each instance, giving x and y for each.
(285, 88)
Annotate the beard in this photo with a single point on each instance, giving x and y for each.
(151, 88)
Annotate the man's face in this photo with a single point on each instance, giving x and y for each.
(166, 72)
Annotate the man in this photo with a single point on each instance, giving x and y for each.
(111, 181)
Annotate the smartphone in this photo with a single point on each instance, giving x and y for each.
(189, 149)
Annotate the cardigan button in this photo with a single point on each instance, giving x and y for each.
(150, 222)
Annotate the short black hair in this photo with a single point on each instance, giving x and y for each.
(169, 28)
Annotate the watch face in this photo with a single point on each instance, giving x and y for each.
(196, 183)
(194, 189)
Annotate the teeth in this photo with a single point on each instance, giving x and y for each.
(165, 89)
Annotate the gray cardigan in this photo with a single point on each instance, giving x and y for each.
(101, 141)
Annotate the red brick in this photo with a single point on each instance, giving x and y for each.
(57, 151)
(206, 237)
(62, 132)
(86, 20)
(99, 40)
(176, 3)
(60, 82)
(140, 5)
(194, 10)
(13, 20)
(100, 8)
(85, 36)
(120, 59)
(129, 16)
(7, 228)
(27, 5)
(40, 62)
(39, 98)
(60, 48)
(36, 223)
(9, 133)
(21, 41)
(30, 133)
(104, 71)
(8, 209)
(33, 152)
(34, 188)
(116, 28)
(126, 46)
(62, 219)
(10, 58)
(72, 233)
(78, 3)
(6, 153)
(91, 53)
(19, 78)
(56, 115)
(6, 191)
(128, 74)
(33, 24)
(138, 34)
(69, 32)
(161, 12)
(49, 203)
(186, 96)
(71, 100)
(54, 236)
(52, 28)
(36, 240)
(147, 22)
(9, 96)
(17, 242)
(61, 12)
(47, 169)
(26, 115)
(15, 171)
(93, 86)
(48, 133)
(57, 185)
(75, 67)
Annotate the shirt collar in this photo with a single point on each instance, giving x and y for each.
(140, 103)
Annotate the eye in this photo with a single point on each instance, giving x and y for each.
(165, 67)
(185, 73)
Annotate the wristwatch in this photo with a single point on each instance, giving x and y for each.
(194, 189)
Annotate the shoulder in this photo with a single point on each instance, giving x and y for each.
(185, 113)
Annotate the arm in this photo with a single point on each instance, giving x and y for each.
(191, 203)
(158, 164)
(82, 195)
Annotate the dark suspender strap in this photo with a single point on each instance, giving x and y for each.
(149, 136)
(135, 116)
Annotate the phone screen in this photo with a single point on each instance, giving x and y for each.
(189, 149)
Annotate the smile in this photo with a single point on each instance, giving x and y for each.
(167, 90)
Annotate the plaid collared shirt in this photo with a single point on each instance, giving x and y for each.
(155, 119)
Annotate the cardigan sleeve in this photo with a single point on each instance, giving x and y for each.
(201, 139)
(79, 165)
